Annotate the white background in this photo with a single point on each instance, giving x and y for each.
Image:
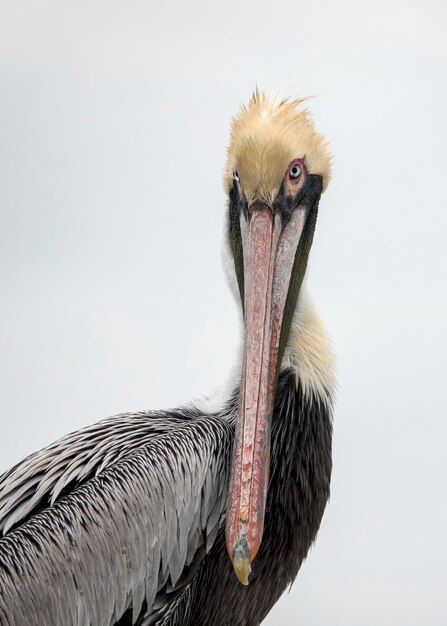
(113, 126)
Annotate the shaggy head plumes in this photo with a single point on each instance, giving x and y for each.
(265, 137)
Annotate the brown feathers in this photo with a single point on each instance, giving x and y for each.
(265, 137)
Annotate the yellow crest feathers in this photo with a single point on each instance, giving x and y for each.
(265, 137)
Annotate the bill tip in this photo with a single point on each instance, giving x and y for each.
(241, 561)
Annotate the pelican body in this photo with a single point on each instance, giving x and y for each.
(202, 515)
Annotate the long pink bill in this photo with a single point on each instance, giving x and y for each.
(269, 254)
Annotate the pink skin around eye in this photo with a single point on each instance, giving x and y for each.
(293, 185)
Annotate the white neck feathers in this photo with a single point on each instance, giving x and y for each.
(309, 351)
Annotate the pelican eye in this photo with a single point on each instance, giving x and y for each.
(235, 176)
(295, 171)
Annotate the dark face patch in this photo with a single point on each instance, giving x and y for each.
(237, 206)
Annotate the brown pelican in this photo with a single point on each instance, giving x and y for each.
(132, 520)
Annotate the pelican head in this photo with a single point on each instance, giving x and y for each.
(277, 168)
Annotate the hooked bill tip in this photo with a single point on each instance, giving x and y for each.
(241, 561)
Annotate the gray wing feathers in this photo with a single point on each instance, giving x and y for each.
(42, 477)
(122, 536)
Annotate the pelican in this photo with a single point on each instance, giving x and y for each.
(203, 515)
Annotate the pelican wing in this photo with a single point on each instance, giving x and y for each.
(98, 530)
(39, 480)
